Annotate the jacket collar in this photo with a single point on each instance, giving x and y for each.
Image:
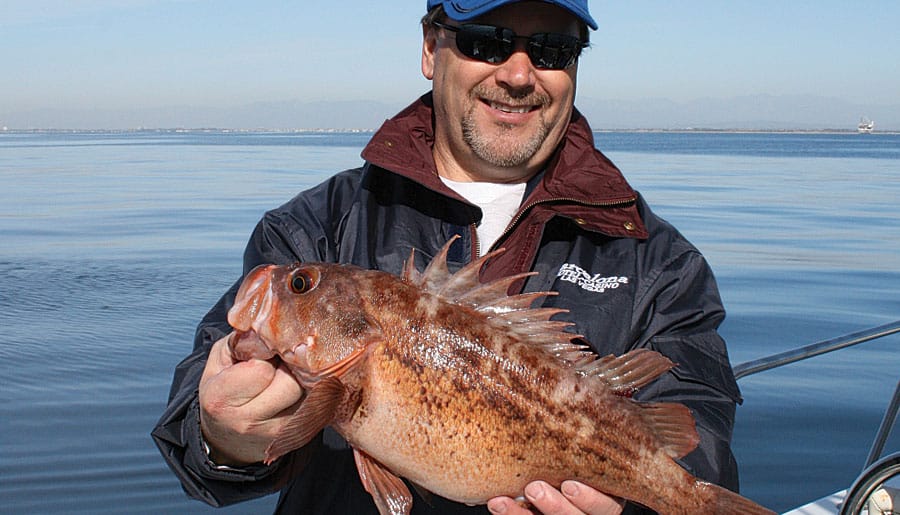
(578, 174)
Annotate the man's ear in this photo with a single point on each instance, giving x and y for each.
(429, 46)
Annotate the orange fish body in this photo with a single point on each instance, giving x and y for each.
(463, 390)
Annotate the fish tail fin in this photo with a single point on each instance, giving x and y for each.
(726, 501)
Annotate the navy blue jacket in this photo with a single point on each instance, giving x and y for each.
(627, 278)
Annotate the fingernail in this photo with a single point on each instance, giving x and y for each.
(497, 506)
(534, 491)
(569, 488)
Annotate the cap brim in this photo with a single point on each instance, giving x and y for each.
(467, 10)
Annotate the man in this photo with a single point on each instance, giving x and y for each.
(498, 155)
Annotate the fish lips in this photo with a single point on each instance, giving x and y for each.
(246, 345)
(253, 300)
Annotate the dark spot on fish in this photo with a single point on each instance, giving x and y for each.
(629, 393)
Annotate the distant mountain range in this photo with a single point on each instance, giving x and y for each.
(759, 112)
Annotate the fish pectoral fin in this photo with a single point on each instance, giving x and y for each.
(390, 493)
(315, 412)
(627, 373)
(673, 425)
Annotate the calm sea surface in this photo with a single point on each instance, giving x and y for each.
(115, 244)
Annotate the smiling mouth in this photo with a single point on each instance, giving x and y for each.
(506, 108)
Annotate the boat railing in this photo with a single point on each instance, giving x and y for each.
(876, 471)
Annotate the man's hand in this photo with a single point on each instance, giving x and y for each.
(572, 498)
(243, 404)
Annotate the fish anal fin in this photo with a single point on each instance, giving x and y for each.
(390, 493)
(315, 412)
(627, 373)
(673, 425)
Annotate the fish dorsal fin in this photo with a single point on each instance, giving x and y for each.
(436, 274)
(513, 312)
(315, 412)
(627, 373)
(673, 425)
(389, 492)
(438, 280)
(410, 274)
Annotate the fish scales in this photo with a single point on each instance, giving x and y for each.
(459, 395)
(464, 391)
(514, 384)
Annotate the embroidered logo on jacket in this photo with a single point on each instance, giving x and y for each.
(577, 275)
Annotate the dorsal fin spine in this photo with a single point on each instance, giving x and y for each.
(513, 312)
(410, 274)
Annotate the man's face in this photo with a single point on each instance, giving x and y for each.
(499, 122)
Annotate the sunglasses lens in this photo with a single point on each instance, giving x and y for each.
(494, 45)
(553, 51)
(485, 43)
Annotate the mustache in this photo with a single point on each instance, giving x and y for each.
(512, 98)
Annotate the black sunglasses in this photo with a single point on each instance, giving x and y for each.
(492, 44)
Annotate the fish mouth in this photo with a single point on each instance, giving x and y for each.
(246, 345)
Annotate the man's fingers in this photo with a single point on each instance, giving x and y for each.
(280, 397)
(506, 506)
(549, 500)
(241, 382)
(243, 404)
(591, 501)
(572, 499)
(219, 357)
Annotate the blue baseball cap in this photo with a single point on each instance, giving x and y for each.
(465, 10)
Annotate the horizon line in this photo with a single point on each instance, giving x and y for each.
(353, 130)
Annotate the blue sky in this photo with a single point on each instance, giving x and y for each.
(113, 54)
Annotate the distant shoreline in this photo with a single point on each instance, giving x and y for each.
(263, 130)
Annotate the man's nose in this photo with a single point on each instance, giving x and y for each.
(517, 72)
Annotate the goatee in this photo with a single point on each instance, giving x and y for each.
(499, 144)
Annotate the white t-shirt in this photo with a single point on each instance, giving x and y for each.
(498, 203)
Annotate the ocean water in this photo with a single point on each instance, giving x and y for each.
(115, 244)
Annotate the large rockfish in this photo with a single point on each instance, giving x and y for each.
(463, 390)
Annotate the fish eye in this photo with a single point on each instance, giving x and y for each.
(300, 282)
